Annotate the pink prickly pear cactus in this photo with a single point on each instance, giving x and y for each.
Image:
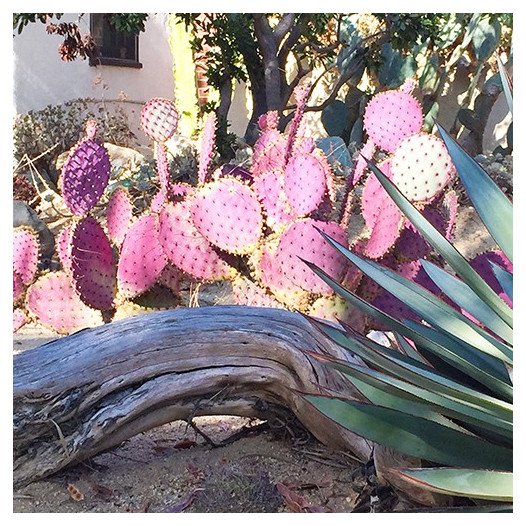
(142, 258)
(421, 167)
(247, 293)
(304, 183)
(85, 175)
(302, 240)
(92, 265)
(56, 305)
(159, 119)
(25, 254)
(91, 129)
(269, 121)
(227, 213)
(63, 248)
(391, 116)
(19, 319)
(186, 248)
(119, 215)
(18, 288)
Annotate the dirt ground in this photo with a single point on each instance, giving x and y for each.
(175, 468)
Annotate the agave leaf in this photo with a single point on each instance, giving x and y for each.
(507, 84)
(407, 369)
(472, 414)
(414, 435)
(472, 483)
(465, 298)
(420, 335)
(491, 204)
(504, 278)
(406, 348)
(451, 255)
(433, 310)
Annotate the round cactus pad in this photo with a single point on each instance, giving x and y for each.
(53, 300)
(142, 258)
(390, 117)
(373, 194)
(227, 213)
(92, 265)
(304, 183)
(302, 240)
(421, 167)
(159, 119)
(186, 248)
(63, 248)
(85, 175)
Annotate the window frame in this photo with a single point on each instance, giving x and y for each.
(100, 60)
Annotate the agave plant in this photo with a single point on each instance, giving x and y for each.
(443, 391)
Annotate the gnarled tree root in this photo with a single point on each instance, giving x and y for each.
(87, 392)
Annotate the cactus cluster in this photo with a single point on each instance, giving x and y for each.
(252, 226)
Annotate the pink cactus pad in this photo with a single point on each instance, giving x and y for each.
(270, 191)
(302, 240)
(207, 148)
(186, 248)
(301, 94)
(373, 194)
(273, 276)
(386, 229)
(18, 288)
(304, 183)
(248, 293)
(390, 117)
(159, 119)
(63, 248)
(85, 175)
(119, 215)
(142, 258)
(421, 167)
(269, 153)
(19, 319)
(332, 308)
(269, 120)
(158, 201)
(163, 166)
(90, 129)
(25, 253)
(92, 265)
(227, 213)
(53, 300)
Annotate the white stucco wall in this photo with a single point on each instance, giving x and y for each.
(40, 77)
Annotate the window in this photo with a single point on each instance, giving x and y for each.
(114, 48)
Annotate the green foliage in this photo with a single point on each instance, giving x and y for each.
(128, 22)
(21, 20)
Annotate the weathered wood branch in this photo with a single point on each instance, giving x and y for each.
(87, 392)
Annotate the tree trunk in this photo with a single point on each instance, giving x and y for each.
(87, 392)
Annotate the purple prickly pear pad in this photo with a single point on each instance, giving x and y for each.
(25, 254)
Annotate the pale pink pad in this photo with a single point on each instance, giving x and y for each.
(92, 264)
(119, 214)
(25, 254)
(159, 119)
(227, 213)
(390, 117)
(171, 278)
(142, 258)
(19, 319)
(53, 300)
(186, 248)
(270, 191)
(269, 152)
(304, 183)
(421, 167)
(302, 240)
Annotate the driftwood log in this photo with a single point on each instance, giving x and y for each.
(87, 392)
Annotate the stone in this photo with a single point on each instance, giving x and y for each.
(24, 215)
